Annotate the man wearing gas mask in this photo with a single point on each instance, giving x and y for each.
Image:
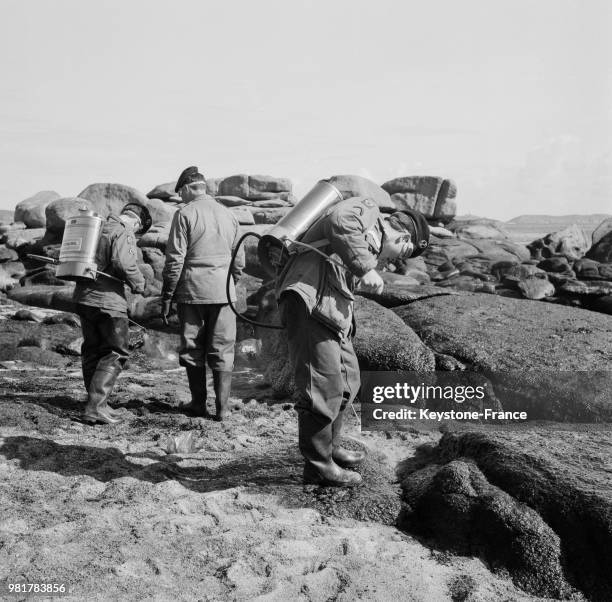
(202, 237)
(315, 297)
(102, 307)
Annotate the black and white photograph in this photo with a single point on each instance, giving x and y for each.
(306, 301)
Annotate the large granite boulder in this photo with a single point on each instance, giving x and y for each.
(478, 228)
(351, 186)
(111, 198)
(571, 242)
(552, 361)
(31, 211)
(161, 212)
(602, 250)
(253, 187)
(58, 211)
(164, 192)
(432, 196)
(15, 239)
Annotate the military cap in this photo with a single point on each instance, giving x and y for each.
(141, 212)
(409, 220)
(189, 175)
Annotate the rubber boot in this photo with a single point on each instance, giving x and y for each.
(222, 381)
(346, 458)
(316, 447)
(101, 386)
(88, 372)
(196, 376)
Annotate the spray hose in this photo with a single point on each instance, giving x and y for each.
(228, 283)
(298, 243)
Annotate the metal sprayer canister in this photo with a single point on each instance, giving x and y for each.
(77, 258)
(297, 221)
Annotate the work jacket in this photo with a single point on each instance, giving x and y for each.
(202, 237)
(350, 234)
(116, 255)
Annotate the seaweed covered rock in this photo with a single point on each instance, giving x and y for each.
(455, 505)
(384, 342)
(560, 474)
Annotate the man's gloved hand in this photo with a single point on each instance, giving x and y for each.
(371, 282)
(166, 307)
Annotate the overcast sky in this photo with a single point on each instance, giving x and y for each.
(511, 98)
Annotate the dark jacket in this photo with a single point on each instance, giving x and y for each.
(202, 237)
(353, 231)
(116, 255)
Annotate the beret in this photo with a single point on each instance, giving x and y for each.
(414, 222)
(189, 175)
(142, 212)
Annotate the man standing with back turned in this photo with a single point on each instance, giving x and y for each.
(202, 238)
(315, 293)
(102, 307)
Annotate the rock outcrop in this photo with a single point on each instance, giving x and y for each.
(351, 185)
(432, 196)
(31, 211)
(110, 198)
(551, 361)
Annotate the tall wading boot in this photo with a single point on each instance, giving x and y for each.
(101, 386)
(344, 457)
(196, 375)
(316, 447)
(222, 381)
(89, 369)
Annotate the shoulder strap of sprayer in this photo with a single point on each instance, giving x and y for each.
(301, 247)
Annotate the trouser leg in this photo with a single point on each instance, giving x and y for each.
(350, 367)
(113, 331)
(192, 327)
(220, 340)
(320, 382)
(90, 348)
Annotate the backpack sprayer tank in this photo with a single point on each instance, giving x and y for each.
(77, 258)
(296, 222)
(283, 237)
